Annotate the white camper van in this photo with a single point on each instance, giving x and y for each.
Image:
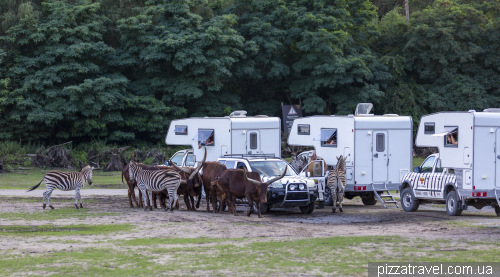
(467, 169)
(230, 135)
(377, 148)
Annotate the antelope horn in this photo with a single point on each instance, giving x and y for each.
(251, 180)
(179, 168)
(198, 168)
(277, 178)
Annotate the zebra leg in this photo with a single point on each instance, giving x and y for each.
(333, 190)
(77, 192)
(144, 197)
(341, 197)
(80, 199)
(45, 196)
(49, 194)
(150, 192)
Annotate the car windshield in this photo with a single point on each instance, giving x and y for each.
(271, 168)
(177, 158)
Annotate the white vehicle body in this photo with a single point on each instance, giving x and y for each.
(470, 162)
(378, 149)
(235, 134)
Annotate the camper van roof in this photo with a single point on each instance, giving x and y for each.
(250, 156)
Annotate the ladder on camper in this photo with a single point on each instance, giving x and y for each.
(497, 197)
(388, 196)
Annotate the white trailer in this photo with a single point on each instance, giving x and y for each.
(378, 150)
(230, 135)
(467, 169)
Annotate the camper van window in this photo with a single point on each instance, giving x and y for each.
(427, 164)
(181, 130)
(303, 129)
(206, 137)
(329, 137)
(380, 142)
(451, 138)
(253, 140)
(429, 128)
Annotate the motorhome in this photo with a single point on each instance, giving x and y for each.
(377, 148)
(466, 172)
(229, 135)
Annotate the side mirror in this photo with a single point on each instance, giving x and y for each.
(416, 169)
(167, 163)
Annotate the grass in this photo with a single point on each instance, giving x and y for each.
(417, 161)
(64, 213)
(28, 178)
(334, 256)
(66, 230)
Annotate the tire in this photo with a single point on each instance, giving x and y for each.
(452, 204)
(497, 210)
(408, 201)
(369, 201)
(307, 209)
(328, 197)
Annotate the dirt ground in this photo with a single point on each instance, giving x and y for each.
(430, 221)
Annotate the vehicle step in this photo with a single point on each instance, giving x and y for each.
(385, 195)
(390, 201)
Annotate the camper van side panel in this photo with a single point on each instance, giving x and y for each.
(269, 135)
(484, 155)
(363, 157)
(345, 136)
(222, 138)
(400, 154)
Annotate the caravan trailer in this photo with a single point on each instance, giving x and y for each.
(230, 135)
(467, 169)
(377, 148)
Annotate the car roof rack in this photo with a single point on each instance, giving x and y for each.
(251, 156)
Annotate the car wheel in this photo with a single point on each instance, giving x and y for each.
(307, 209)
(369, 201)
(408, 202)
(328, 197)
(452, 204)
(497, 210)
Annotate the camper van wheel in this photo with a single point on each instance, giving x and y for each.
(328, 197)
(452, 205)
(408, 202)
(497, 210)
(369, 201)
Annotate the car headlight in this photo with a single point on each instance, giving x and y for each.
(311, 184)
(302, 187)
(293, 187)
(277, 185)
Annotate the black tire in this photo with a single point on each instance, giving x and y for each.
(307, 209)
(369, 201)
(452, 205)
(328, 197)
(497, 210)
(408, 201)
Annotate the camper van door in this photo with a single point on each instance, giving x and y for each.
(497, 158)
(380, 159)
(253, 142)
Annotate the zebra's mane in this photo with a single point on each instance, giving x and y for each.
(85, 168)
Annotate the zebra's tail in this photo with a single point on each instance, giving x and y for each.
(35, 187)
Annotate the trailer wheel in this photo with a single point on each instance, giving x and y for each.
(408, 202)
(497, 210)
(328, 197)
(452, 205)
(307, 209)
(369, 201)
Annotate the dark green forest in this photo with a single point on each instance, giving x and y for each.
(120, 70)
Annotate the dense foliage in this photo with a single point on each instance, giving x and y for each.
(119, 71)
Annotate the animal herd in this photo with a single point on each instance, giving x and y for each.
(221, 185)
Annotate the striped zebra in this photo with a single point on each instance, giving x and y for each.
(155, 180)
(336, 182)
(65, 181)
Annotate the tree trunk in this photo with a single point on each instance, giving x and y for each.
(407, 8)
(115, 164)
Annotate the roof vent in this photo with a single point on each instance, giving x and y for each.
(391, 114)
(492, 110)
(363, 108)
(238, 114)
(261, 115)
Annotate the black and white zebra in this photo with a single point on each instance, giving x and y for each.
(155, 180)
(65, 181)
(336, 182)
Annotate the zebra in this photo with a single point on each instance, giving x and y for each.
(336, 181)
(65, 181)
(155, 180)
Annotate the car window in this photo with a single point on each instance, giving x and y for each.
(189, 160)
(230, 164)
(427, 164)
(177, 158)
(241, 165)
(438, 168)
(271, 168)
